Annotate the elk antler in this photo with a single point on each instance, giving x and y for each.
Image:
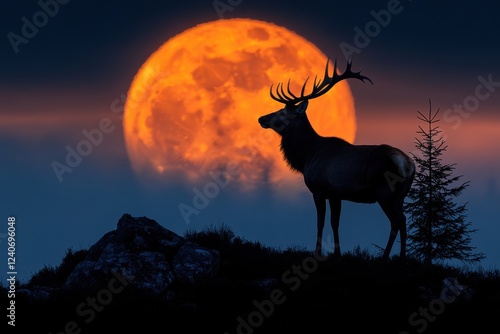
(319, 87)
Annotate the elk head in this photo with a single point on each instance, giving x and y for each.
(295, 106)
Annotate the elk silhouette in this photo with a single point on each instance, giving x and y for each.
(336, 170)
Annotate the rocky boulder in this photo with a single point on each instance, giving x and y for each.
(196, 265)
(149, 256)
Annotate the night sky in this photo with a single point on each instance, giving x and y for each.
(67, 76)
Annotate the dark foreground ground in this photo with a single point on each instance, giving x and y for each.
(261, 290)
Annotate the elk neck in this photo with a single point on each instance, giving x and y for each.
(299, 142)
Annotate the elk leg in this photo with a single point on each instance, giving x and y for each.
(392, 213)
(402, 232)
(390, 242)
(320, 203)
(335, 207)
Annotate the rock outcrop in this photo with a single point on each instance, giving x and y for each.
(149, 256)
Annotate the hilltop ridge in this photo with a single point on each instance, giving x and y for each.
(142, 276)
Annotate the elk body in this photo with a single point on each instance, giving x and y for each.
(335, 170)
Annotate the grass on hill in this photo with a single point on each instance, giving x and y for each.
(264, 290)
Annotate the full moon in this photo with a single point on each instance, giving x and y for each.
(192, 108)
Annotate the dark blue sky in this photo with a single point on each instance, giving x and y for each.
(66, 77)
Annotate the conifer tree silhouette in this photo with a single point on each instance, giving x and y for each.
(438, 227)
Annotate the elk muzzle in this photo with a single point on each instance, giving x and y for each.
(277, 121)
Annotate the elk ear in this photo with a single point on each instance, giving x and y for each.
(301, 108)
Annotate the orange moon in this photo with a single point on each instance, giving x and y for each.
(192, 108)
